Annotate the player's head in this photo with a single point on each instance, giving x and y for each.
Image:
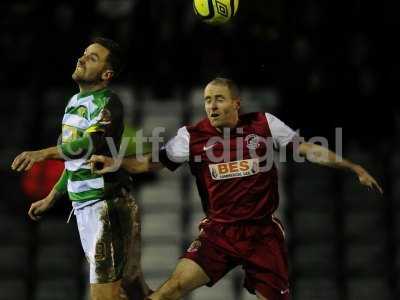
(222, 102)
(101, 62)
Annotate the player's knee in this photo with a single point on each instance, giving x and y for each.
(106, 291)
(134, 288)
(172, 289)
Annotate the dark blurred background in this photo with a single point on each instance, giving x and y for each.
(317, 65)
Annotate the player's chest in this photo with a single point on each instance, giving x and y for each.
(240, 155)
(245, 143)
(78, 117)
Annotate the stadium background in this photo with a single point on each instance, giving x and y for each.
(317, 65)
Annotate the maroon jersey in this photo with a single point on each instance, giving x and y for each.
(234, 170)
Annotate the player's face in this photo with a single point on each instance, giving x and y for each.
(91, 67)
(222, 110)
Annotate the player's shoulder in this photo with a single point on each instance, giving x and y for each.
(260, 117)
(253, 117)
(201, 126)
(73, 100)
(113, 100)
(113, 96)
(273, 119)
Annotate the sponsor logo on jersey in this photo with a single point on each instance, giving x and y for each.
(69, 133)
(252, 141)
(233, 169)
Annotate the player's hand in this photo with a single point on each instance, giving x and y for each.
(25, 160)
(107, 164)
(366, 179)
(39, 207)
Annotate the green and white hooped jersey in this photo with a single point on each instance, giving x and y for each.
(83, 115)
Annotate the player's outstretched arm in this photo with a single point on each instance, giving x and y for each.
(323, 156)
(131, 164)
(66, 151)
(25, 160)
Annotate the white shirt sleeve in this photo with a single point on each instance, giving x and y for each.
(281, 133)
(177, 148)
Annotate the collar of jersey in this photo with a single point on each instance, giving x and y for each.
(232, 130)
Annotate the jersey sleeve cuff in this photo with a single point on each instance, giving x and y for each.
(164, 159)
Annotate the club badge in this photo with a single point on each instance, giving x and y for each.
(252, 141)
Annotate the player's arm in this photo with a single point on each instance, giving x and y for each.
(284, 136)
(131, 164)
(175, 153)
(323, 156)
(26, 159)
(72, 150)
(39, 207)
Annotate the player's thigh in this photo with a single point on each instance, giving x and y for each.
(101, 242)
(269, 253)
(129, 222)
(189, 275)
(106, 291)
(129, 219)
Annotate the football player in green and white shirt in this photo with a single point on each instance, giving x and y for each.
(107, 216)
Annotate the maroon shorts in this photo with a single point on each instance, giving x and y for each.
(258, 246)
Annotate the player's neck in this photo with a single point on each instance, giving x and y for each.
(88, 88)
(229, 125)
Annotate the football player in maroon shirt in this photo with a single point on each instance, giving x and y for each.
(230, 156)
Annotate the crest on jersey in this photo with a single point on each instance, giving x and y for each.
(82, 112)
(194, 246)
(252, 141)
(105, 117)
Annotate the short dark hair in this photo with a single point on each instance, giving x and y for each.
(114, 58)
(230, 84)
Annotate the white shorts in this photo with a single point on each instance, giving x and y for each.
(107, 229)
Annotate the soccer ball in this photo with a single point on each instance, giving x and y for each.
(215, 11)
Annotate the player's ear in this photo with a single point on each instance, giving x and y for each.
(237, 103)
(107, 75)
